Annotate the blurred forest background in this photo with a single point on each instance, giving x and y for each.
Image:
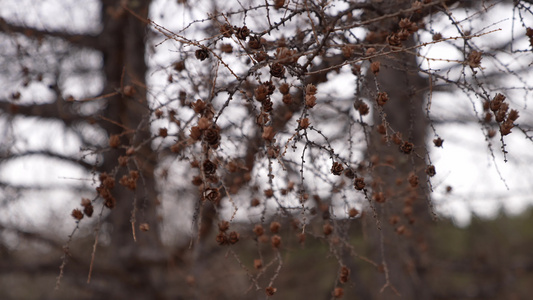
(254, 149)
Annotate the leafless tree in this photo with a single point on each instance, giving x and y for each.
(248, 128)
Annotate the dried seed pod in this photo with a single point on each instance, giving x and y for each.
(529, 32)
(201, 54)
(144, 227)
(362, 107)
(277, 70)
(259, 230)
(337, 168)
(129, 181)
(16, 95)
(109, 201)
(381, 129)
(270, 291)
(276, 241)
(349, 173)
(513, 115)
(430, 171)
(213, 195)
(284, 88)
(129, 91)
(270, 87)
(254, 43)
(88, 210)
(356, 69)
(107, 180)
(233, 237)
(397, 138)
(77, 214)
(407, 147)
(407, 211)
(221, 238)
(290, 185)
(502, 112)
(258, 264)
(303, 123)
(382, 98)
(226, 30)
(260, 56)
(487, 118)
(400, 229)
(405, 23)
(267, 105)
(413, 180)
(403, 34)
(379, 197)
(203, 123)
(286, 56)
(86, 202)
(268, 133)
(438, 142)
(353, 212)
(394, 40)
(344, 274)
(374, 67)
(269, 193)
(359, 183)
(370, 51)
(327, 229)
(310, 100)
(310, 89)
(279, 4)
(418, 5)
(179, 65)
(347, 51)
(212, 136)
(273, 152)
(474, 59)
(261, 93)
(198, 106)
(209, 167)
(505, 127)
(197, 180)
(301, 238)
(274, 227)
(338, 292)
(196, 133)
(226, 48)
(242, 33)
(114, 141)
(496, 102)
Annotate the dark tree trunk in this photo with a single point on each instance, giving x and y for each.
(123, 42)
(402, 241)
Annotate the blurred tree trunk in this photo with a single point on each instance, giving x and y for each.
(123, 42)
(404, 215)
(399, 185)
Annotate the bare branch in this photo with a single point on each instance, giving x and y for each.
(80, 40)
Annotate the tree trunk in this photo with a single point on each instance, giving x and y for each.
(399, 186)
(123, 41)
